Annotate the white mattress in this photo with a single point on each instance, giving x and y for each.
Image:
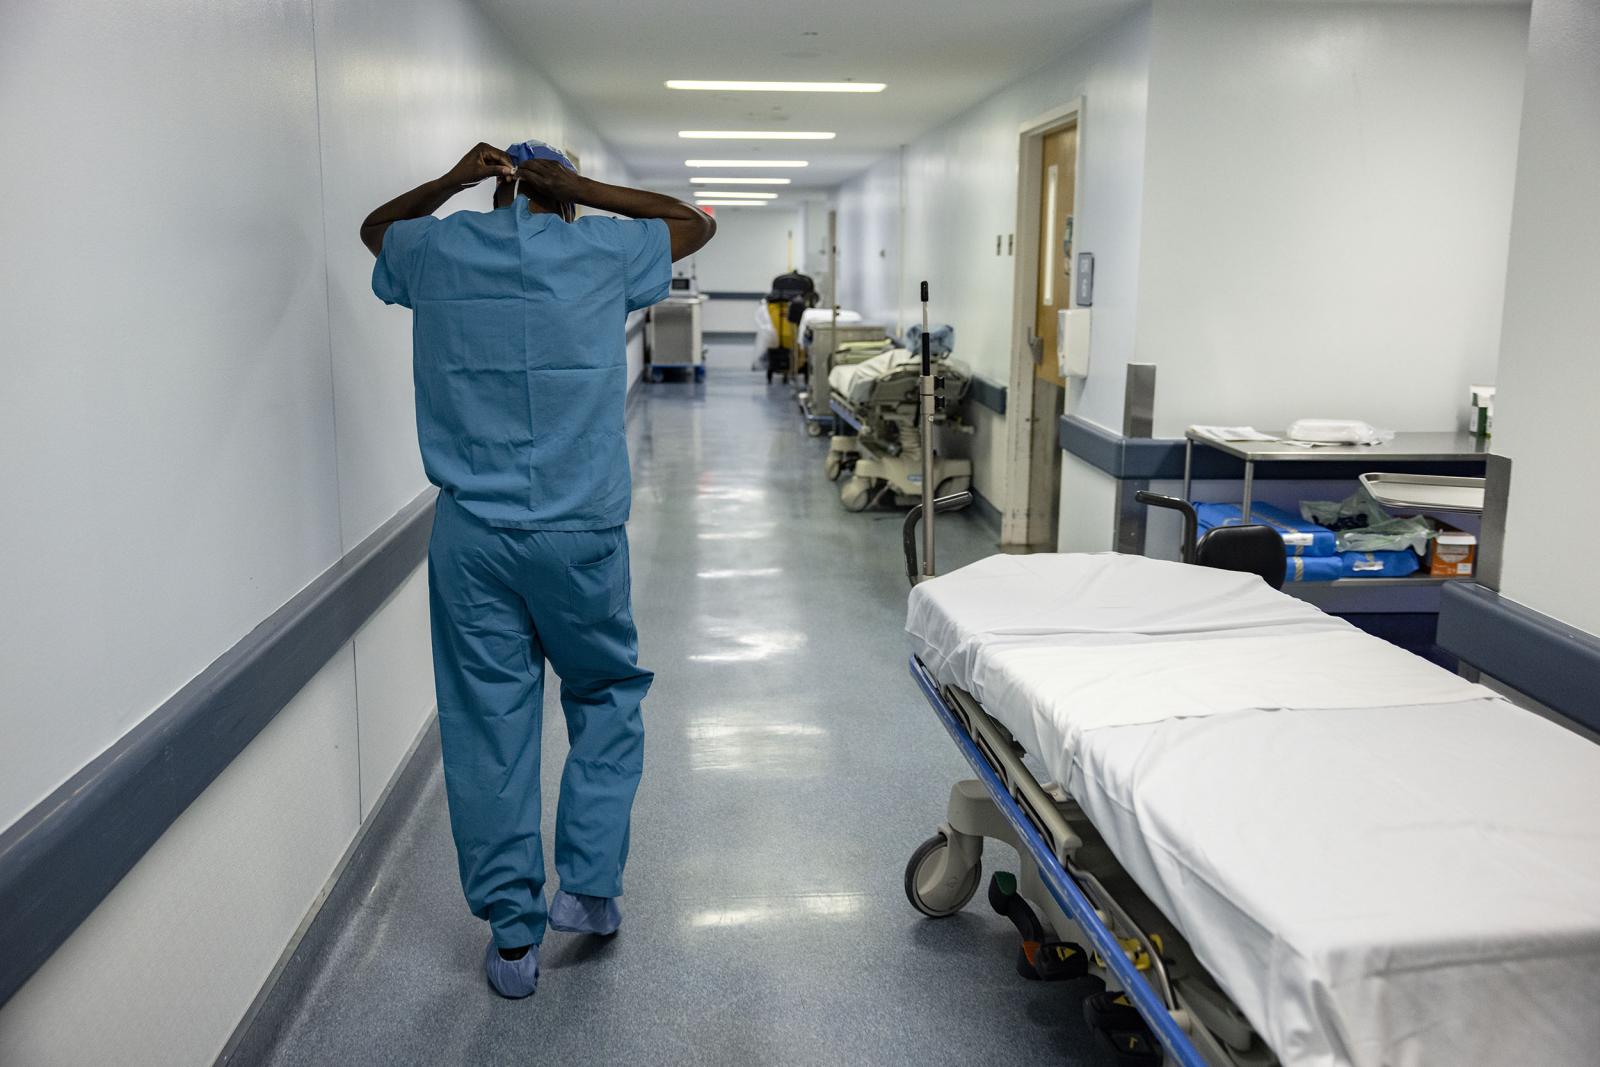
(1414, 883)
(824, 317)
(855, 380)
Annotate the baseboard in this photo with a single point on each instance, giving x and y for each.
(986, 511)
(258, 1030)
(634, 390)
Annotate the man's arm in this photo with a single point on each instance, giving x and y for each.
(689, 227)
(484, 161)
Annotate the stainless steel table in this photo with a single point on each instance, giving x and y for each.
(1405, 448)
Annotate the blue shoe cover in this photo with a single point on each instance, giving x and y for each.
(512, 979)
(574, 913)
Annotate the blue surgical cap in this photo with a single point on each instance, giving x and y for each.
(522, 153)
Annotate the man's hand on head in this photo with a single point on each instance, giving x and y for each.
(549, 182)
(483, 162)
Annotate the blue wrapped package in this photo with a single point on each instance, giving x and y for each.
(1313, 569)
(1300, 538)
(1379, 564)
(1351, 565)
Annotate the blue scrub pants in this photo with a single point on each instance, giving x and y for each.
(502, 602)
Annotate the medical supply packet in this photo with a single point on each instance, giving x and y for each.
(1337, 432)
(1232, 433)
(1362, 525)
(1300, 537)
(1379, 564)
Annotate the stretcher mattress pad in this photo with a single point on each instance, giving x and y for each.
(856, 381)
(1408, 880)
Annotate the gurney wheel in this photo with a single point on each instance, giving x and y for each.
(832, 465)
(929, 881)
(856, 494)
(813, 429)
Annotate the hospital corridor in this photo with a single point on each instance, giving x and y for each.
(743, 824)
(724, 533)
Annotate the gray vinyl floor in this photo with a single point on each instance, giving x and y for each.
(791, 768)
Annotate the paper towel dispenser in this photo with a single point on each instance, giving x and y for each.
(1072, 342)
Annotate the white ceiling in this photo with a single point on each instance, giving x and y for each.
(609, 58)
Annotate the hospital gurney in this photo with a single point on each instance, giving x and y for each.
(880, 439)
(1391, 867)
(828, 342)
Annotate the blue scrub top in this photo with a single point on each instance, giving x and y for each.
(520, 356)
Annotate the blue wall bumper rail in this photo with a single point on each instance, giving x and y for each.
(1553, 662)
(1179, 1049)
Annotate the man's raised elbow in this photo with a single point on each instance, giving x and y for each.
(707, 230)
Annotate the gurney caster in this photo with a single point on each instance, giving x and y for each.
(944, 872)
(858, 493)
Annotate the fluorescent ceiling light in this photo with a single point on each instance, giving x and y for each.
(740, 181)
(734, 194)
(733, 203)
(746, 163)
(756, 135)
(778, 87)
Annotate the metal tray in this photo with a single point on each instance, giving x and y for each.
(1424, 492)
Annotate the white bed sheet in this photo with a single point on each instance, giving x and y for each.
(1373, 885)
(824, 317)
(855, 380)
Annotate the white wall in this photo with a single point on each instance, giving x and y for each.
(1326, 210)
(753, 245)
(158, 975)
(814, 223)
(957, 190)
(205, 407)
(1550, 347)
(168, 412)
(868, 229)
(1295, 210)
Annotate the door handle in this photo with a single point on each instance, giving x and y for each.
(1035, 346)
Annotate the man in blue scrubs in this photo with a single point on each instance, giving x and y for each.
(520, 363)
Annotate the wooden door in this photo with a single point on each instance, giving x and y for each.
(1053, 293)
(1057, 171)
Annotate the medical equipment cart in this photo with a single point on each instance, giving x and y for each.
(673, 339)
(1415, 457)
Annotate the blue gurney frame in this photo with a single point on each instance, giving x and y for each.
(1063, 886)
(1027, 808)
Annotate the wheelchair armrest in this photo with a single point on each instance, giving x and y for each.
(1191, 521)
